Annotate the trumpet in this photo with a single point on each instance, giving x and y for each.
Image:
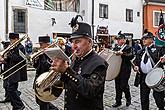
(6, 51)
(12, 46)
(41, 51)
(48, 85)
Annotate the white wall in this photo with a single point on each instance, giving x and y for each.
(39, 22)
(116, 16)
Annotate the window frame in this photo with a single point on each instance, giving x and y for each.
(154, 17)
(128, 11)
(16, 12)
(105, 8)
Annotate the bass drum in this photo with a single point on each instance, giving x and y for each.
(155, 79)
(114, 62)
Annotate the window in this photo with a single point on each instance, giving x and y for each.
(157, 18)
(103, 11)
(19, 20)
(129, 15)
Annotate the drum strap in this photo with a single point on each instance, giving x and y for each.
(153, 63)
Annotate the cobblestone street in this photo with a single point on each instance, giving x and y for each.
(109, 96)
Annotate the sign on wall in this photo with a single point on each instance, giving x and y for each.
(35, 3)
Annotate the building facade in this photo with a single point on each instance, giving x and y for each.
(49, 17)
(152, 10)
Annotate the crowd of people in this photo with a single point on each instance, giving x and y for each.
(84, 77)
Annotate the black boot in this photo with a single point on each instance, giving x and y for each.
(5, 100)
(128, 103)
(117, 104)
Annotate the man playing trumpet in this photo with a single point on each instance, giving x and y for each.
(42, 64)
(84, 79)
(12, 58)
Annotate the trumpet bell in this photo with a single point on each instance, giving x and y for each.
(53, 90)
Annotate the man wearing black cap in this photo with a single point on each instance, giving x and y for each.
(11, 59)
(84, 79)
(42, 64)
(145, 60)
(121, 81)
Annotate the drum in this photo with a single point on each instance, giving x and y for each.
(155, 79)
(114, 62)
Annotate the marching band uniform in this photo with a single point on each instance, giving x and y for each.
(12, 59)
(42, 64)
(145, 64)
(5, 82)
(84, 80)
(121, 81)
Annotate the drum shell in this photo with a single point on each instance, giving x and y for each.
(114, 62)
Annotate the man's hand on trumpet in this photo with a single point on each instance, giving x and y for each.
(119, 53)
(1, 59)
(59, 65)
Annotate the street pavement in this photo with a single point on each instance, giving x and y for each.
(28, 96)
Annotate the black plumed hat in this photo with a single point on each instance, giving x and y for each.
(80, 29)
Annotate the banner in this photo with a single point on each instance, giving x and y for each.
(35, 3)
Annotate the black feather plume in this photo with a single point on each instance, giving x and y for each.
(74, 20)
(119, 33)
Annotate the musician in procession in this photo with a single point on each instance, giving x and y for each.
(84, 79)
(11, 59)
(121, 81)
(145, 60)
(4, 68)
(42, 64)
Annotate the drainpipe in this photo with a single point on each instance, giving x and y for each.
(93, 19)
(6, 21)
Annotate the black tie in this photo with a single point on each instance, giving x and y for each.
(145, 58)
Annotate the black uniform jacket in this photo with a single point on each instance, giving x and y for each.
(125, 69)
(14, 58)
(42, 64)
(155, 52)
(84, 83)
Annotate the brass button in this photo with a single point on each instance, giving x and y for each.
(73, 79)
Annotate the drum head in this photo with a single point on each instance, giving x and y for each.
(154, 77)
(114, 62)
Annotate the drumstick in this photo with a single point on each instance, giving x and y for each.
(134, 65)
(158, 62)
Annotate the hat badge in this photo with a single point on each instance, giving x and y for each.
(145, 34)
(75, 28)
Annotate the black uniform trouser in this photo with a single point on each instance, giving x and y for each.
(45, 105)
(144, 95)
(121, 85)
(14, 96)
(5, 85)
